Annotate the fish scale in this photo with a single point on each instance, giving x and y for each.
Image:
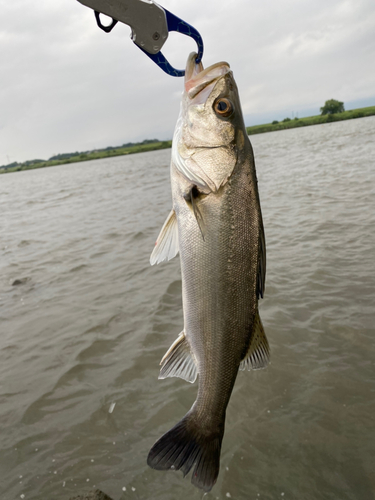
(216, 226)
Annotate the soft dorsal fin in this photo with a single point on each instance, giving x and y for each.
(258, 354)
(178, 361)
(261, 278)
(166, 246)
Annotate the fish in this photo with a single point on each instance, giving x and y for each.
(216, 227)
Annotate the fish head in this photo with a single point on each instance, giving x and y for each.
(210, 128)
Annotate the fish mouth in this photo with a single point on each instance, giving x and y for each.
(198, 79)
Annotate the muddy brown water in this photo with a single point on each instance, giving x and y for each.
(85, 320)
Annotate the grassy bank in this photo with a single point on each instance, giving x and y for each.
(90, 155)
(311, 120)
(154, 145)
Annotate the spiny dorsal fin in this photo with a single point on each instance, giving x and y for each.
(166, 246)
(258, 354)
(178, 361)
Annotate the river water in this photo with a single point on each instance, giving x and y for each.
(85, 321)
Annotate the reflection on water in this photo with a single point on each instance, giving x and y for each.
(85, 321)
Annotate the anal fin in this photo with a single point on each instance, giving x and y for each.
(178, 361)
(258, 354)
(166, 246)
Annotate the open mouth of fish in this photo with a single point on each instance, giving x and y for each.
(199, 82)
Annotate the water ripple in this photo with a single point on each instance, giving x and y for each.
(85, 321)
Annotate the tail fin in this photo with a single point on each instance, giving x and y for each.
(186, 445)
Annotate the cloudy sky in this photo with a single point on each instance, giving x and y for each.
(66, 86)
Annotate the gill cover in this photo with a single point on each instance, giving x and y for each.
(204, 144)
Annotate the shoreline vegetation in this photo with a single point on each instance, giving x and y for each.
(155, 144)
(311, 120)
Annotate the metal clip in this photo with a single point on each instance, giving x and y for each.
(150, 24)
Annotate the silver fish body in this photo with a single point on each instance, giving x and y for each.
(216, 225)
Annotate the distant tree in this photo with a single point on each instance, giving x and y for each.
(332, 106)
(286, 120)
(275, 122)
(31, 162)
(10, 165)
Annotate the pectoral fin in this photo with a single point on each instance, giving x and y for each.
(166, 246)
(191, 198)
(178, 361)
(258, 354)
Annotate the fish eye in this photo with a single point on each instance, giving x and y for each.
(223, 107)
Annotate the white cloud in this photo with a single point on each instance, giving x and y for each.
(67, 86)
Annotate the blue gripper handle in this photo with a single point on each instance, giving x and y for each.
(174, 23)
